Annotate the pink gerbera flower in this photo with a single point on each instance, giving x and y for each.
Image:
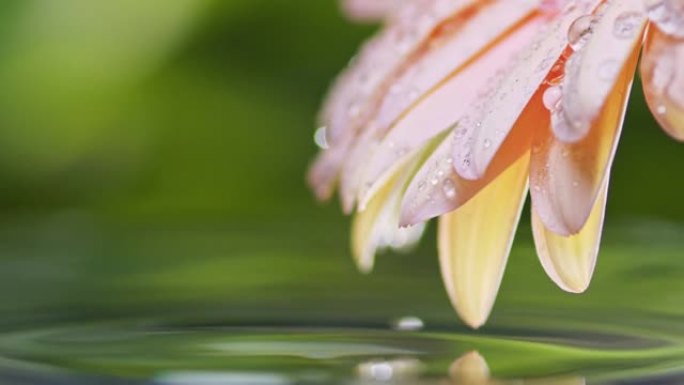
(456, 106)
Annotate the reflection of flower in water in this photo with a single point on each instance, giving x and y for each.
(469, 369)
(456, 105)
(472, 369)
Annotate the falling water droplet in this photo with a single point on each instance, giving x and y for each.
(408, 323)
(580, 31)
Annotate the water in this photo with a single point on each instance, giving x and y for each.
(248, 303)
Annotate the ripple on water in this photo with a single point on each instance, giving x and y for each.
(229, 355)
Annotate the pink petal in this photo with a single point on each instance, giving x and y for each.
(439, 110)
(471, 368)
(566, 178)
(377, 227)
(352, 172)
(457, 42)
(488, 124)
(452, 52)
(437, 188)
(324, 172)
(356, 95)
(570, 261)
(608, 42)
(662, 74)
(369, 10)
(354, 98)
(475, 242)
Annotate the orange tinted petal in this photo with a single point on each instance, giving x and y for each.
(353, 99)
(475, 241)
(452, 51)
(437, 188)
(444, 106)
(449, 53)
(565, 178)
(377, 227)
(592, 72)
(662, 74)
(487, 125)
(570, 261)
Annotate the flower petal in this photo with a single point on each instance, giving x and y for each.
(441, 108)
(355, 96)
(488, 124)
(662, 74)
(592, 72)
(455, 46)
(437, 188)
(570, 261)
(565, 178)
(460, 44)
(377, 227)
(324, 172)
(473, 252)
(369, 10)
(471, 368)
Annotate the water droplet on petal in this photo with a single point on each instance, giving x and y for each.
(580, 31)
(668, 15)
(449, 189)
(627, 25)
(321, 137)
(552, 98)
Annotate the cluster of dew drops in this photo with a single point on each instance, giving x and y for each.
(667, 15)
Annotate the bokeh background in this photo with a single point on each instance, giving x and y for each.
(152, 161)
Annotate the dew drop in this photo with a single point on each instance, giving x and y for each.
(354, 110)
(434, 181)
(487, 143)
(321, 137)
(627, 24)
(449, 188)
(552, 98)
(580, 31)
(668, 15)
(661, 109)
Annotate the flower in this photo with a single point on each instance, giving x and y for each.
(456, 106)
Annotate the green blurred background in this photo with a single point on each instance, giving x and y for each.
(152, 161)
